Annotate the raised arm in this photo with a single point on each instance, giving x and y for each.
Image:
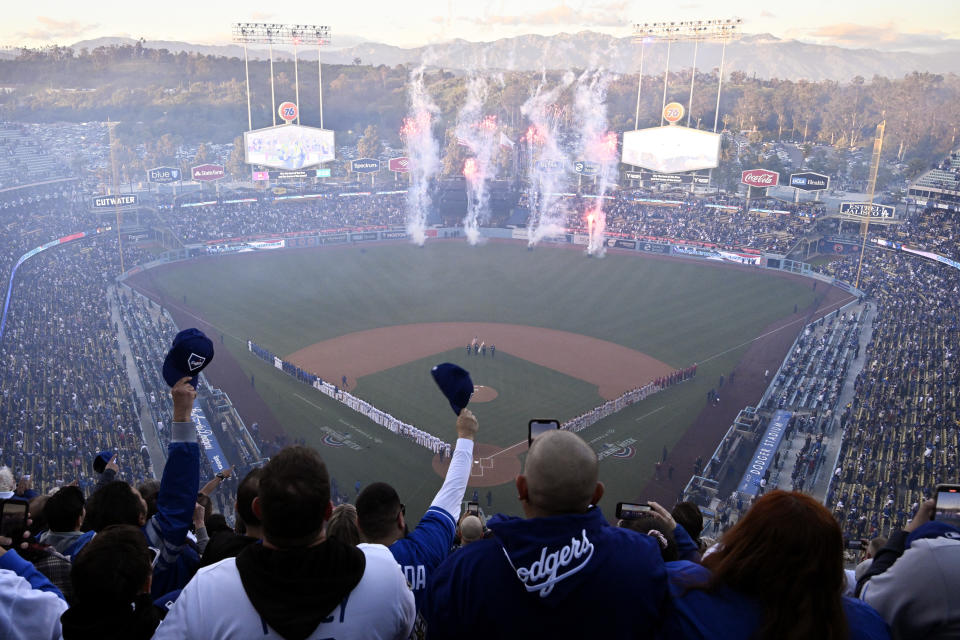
(450, 496)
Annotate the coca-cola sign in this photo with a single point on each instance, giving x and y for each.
(760, 178)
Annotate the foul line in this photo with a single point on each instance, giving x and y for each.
(318, 408)
(778, 329)
(648, 414)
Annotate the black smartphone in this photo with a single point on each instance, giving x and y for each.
(947, 509)
(632, 510)
(536, 427)
(473, 508)
(856, 545)
(13, 518)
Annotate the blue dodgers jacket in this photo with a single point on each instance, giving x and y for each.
(569, 576)
(167, 529)
(725, 614)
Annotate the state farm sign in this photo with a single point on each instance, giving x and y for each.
(760, 178)
(207, 172)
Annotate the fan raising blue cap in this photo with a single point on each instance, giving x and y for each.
(190, 354)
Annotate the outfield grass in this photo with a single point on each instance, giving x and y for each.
(679, 312)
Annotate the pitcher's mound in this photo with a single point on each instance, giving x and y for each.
(483, 394)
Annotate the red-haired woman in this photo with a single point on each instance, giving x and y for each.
(777, 575)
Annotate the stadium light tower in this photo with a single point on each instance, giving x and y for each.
(272, 33)
(696, 31)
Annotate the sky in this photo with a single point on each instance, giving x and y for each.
(927, 27)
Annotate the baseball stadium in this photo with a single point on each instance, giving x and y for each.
(566, 334)
(364, 341)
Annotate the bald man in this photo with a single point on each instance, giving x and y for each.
(561, 571)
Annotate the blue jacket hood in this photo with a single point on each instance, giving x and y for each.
(553, 555)
(932, 529)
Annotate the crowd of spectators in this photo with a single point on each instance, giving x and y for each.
(66, 397)
(246, 219)
(901, 428)
(65, 392)
(24, 159)
(699, 220)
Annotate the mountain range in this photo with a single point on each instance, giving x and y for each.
(760, 55)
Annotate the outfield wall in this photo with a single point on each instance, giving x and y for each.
(643, 244)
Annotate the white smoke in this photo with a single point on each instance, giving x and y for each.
(598, 146)
(424, 153)
(546, 161)
(480, 134)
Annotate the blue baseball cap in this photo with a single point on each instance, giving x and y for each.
(100, 462)
(455, 383)
(190, 353)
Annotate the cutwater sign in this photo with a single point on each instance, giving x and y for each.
(163, 175)
(122, 201)
(365, 165)
(809, 181)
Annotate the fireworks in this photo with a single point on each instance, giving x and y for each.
(604, 148)
(535, 135)
(471, 170)
(415, 126)
(488, 124)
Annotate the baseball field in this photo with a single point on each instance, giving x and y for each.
(570, 332)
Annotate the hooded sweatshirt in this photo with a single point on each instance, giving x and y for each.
(918, 591)
(568, 576)
(95, 621)
(331, 590)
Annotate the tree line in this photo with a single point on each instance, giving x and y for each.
(185, 96)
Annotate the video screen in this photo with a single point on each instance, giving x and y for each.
(288, 146)
(948, 507)
(671, 149)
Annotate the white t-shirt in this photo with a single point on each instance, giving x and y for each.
(214, 605)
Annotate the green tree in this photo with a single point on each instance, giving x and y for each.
(369, 144)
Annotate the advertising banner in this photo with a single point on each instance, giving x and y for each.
(299, 243)
(393, 235)
(760, 178)
(809, 181)
(365, 165)
(865, 209)
(337, 238)
(124, 201)
(549, 166)
(163, 175)
(297, 174)
(687, 250)
(579, 238)
(400, 165)
(653, 247)
(838, 247)
(763, 456)
(208, 441)
(622, 244)
(586, 167)
(206, 172)
(289, 146)
(651, 177)
(261, 176)
(323, 173)
(363, 237)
